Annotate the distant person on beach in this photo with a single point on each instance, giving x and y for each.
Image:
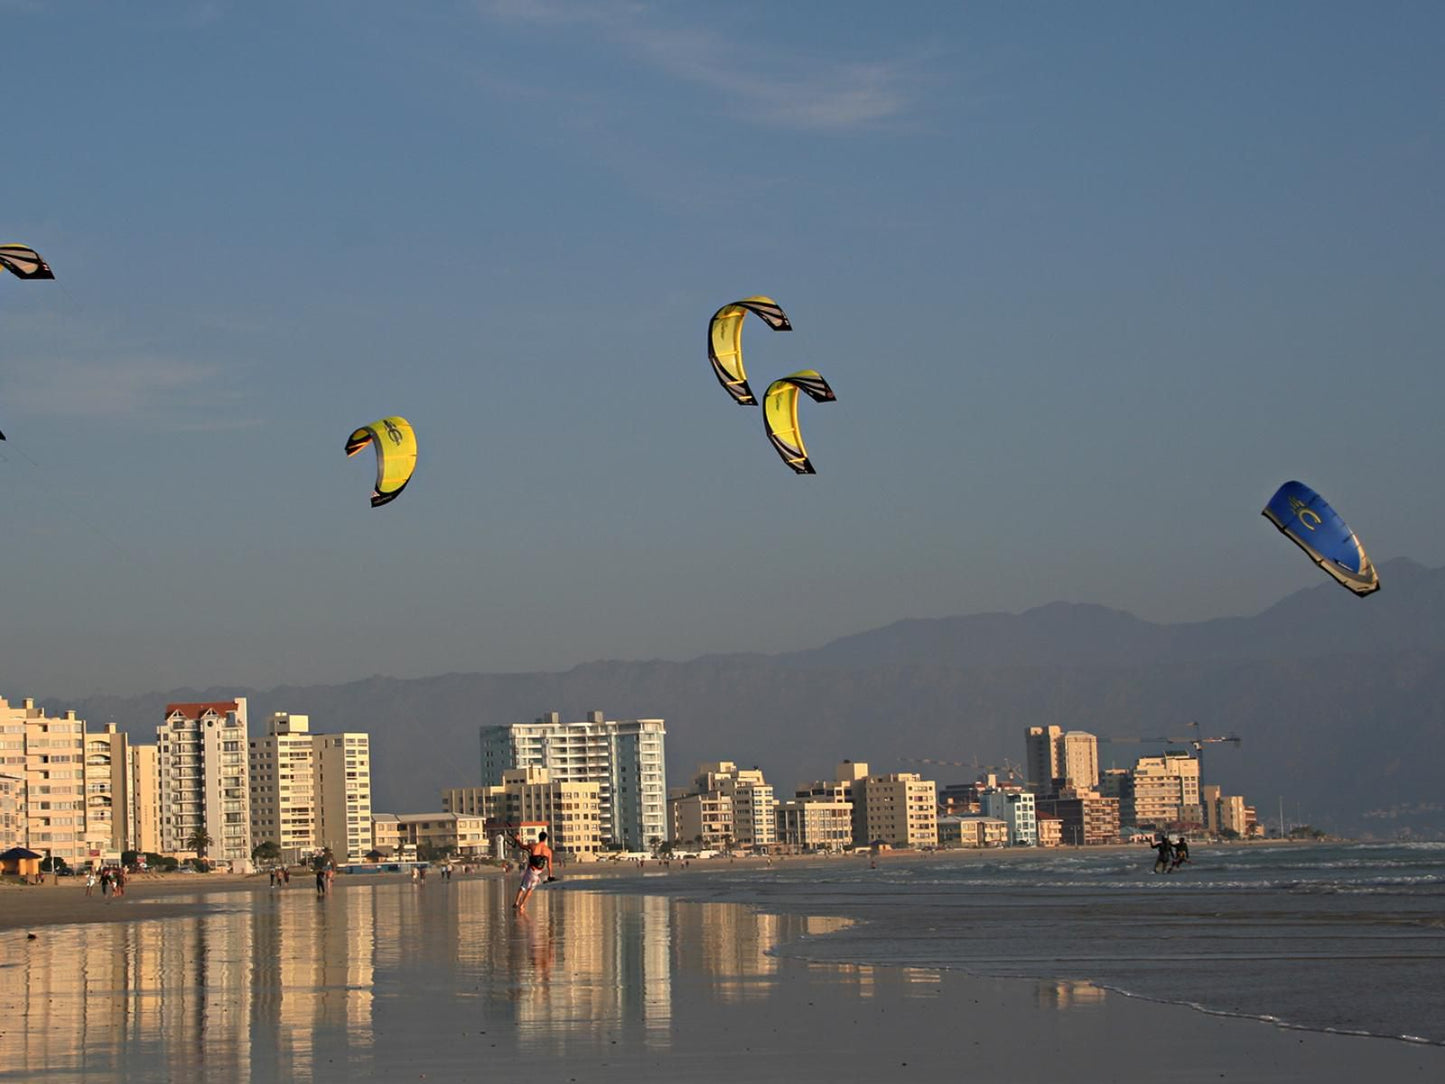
(539, 858)
(90, 882)
(1165, 862)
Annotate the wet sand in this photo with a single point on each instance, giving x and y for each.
(388, 980)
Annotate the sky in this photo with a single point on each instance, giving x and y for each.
(1089, 281)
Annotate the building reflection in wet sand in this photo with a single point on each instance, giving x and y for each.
(283, 986)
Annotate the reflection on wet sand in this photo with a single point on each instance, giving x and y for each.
(283, 986)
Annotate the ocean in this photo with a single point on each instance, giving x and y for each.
(1339, 937)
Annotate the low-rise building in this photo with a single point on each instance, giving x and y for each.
(462, 835)
(972, 830)
(1050, 829)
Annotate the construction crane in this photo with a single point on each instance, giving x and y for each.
(1197, 743)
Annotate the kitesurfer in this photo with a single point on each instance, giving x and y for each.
(539, 859)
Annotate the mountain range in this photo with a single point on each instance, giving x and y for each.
(1339, 703)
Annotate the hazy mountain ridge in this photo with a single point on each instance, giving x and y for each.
(1338, 700)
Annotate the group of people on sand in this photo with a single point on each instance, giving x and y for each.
(1172, 853)
(111, 881)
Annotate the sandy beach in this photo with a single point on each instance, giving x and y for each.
(389, 980)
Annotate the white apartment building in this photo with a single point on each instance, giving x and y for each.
(625, 758)
(1016, 809)
(204, 781)
(310, 792)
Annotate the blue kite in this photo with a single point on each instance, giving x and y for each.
(1307, 520)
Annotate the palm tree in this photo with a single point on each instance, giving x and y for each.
(198, 841)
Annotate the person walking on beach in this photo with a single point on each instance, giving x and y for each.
(539, 858)
(90, 882)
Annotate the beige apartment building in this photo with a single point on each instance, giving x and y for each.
(143, 791)
(310, 792)
(465, 835)
(970, 830)
(726, 807)
(570, 812)
(1087, 818)
(814, 824)
(1225, 812)
(107, 792)
(12, 811)
(704, 821)
(204, 781)
(48, 755)
(900, 809)
(1059, 759)
(1165, 789)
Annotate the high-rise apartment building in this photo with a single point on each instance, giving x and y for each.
(1059, 759)
(144, 793)
(1165, 788)
(625, 758)
(48, 756)
(204, 782)
(310, 792)
(1041, 757)
(107, 791)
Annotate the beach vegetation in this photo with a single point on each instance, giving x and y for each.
(162, 863)
(199, 841)
(269, 851)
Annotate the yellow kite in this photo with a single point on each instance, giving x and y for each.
(725, 342)
(395, 455)
(780, 415)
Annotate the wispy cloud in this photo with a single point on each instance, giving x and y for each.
(147, 389)
(754, 81)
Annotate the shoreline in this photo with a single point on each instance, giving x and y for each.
(442, 974)
(859, 921)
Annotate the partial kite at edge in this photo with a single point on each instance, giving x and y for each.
(1307, 520)
(395, 455)
(725, 342)
(24, 262)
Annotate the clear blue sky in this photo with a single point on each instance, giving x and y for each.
(1090, 281)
